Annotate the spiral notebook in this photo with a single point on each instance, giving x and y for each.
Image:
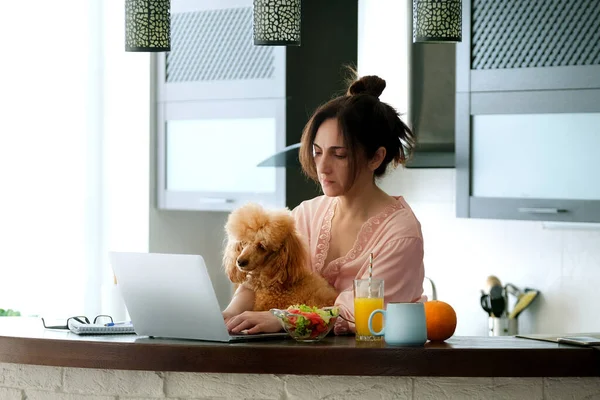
(97, 329)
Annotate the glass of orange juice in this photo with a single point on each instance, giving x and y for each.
(368, 297)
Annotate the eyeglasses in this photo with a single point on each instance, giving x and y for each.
(81, 319)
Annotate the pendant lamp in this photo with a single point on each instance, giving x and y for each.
(277, 22)
(437, 21)
(147, 25)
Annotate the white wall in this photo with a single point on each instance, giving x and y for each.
(188, 232)
(35, 382)
(460, 253)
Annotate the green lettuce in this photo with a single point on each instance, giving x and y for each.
(303, 324)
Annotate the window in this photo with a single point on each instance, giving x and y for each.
(73, 153)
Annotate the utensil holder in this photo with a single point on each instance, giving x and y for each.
(503, 326)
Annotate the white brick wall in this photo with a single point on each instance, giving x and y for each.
(519, 388)
(18, 382)
(348, 387)
(10, 394)
(228, 386)
(30, 376)
(571, 388)
(114, 382)
(453, 388)
(41, 395)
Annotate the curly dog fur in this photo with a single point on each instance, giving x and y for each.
(265, 252)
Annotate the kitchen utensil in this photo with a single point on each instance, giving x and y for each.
(524, 302)
(485, 303)
(503, 326)
(490, 282)
(497, 301)
(512, 289)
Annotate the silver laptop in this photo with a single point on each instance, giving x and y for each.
(171, 296)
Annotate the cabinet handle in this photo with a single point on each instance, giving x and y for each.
(541, 210)
(215, 200)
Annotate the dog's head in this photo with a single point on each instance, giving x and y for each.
(263, 244)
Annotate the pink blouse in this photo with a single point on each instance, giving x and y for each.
(394, 236)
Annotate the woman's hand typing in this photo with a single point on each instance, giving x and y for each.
(253, 322)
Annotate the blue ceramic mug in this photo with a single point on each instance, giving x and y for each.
(403, 324)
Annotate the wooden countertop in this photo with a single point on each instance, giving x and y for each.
(25, 341)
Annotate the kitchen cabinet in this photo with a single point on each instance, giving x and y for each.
(220, 109)
(223, 104)
(528, 111)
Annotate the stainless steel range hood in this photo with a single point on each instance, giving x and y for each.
(287, 157)
(432, 69)
(431, 104)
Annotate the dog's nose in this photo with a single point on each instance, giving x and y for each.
(242, 263)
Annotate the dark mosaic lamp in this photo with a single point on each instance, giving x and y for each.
(277, 22)
(147, 25)
(437, 21)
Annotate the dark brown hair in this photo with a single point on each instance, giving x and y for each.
(366, 124)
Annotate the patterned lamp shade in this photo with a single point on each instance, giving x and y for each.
(147, 25)
(437, 21)
(277, 22)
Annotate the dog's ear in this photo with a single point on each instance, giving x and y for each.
(290, 262)
(232, 250)
(297, 257)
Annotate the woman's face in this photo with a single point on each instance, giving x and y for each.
(331, 159)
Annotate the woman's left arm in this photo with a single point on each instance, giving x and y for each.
(399, 263)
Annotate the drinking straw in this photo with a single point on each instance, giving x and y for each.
(370, 271)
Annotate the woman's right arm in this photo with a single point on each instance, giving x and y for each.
(243, 300)
(239, 316)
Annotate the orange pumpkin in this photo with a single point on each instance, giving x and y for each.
(440, 318)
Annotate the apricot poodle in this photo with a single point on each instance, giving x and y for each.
(266, 253)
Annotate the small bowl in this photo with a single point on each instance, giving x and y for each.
(307, 326)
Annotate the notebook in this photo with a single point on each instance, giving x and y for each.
(100, 329)
(172, 296)
(555, 337)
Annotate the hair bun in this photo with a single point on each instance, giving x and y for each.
(370, 84)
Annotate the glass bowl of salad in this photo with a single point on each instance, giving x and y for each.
(305, 323)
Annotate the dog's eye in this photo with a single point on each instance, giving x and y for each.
(261, 247)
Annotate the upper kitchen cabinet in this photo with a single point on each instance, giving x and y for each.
(223, 104)
(528, 110)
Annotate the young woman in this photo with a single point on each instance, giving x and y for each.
(348, 143)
